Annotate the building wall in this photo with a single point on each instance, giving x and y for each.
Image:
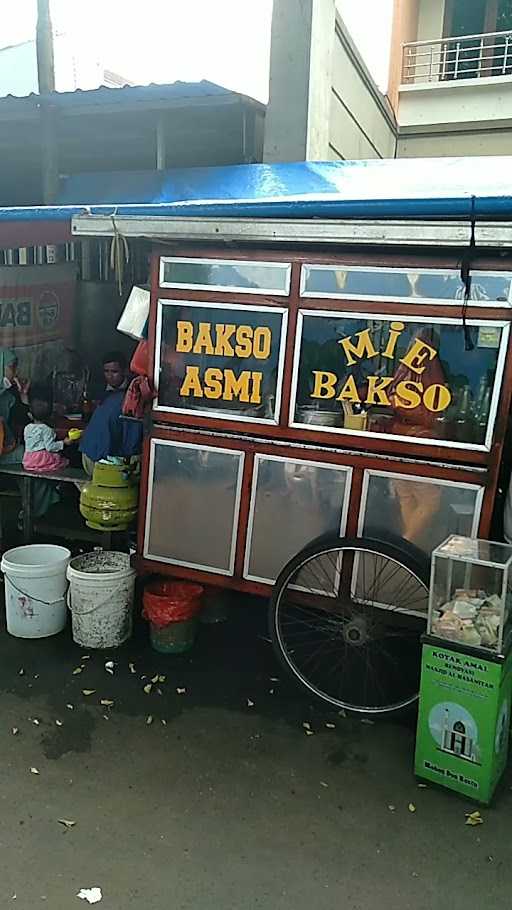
(453, 143)
(474, 103)
(430, 20)
(405, 28)
(323, 104)
(361, 120)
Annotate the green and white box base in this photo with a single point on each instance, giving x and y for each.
(464, 719)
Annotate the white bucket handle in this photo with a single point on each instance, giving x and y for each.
(97, 606)
(47, 603)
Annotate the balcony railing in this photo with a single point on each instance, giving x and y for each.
(463, 57)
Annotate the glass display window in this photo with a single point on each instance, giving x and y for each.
(409, 284)
(220, 360)
(420, 510)
(193, 505)
(225, 275)
(403, 378)
(293, 501)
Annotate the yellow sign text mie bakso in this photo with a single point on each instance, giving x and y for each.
(407, 394)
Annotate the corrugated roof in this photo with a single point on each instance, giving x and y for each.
(126, 95)
(427, 188)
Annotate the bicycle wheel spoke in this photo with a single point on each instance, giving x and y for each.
(353, 643)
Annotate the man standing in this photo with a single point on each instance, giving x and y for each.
(108, 434)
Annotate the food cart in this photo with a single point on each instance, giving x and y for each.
(332, 398)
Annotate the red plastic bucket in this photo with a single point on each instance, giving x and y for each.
(171, 601)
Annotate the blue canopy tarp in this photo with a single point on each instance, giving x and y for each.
(392, 188)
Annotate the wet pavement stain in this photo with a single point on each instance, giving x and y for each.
(75, 735)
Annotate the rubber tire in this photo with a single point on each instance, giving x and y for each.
(405, 553)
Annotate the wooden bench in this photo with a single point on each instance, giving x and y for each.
(75, 476)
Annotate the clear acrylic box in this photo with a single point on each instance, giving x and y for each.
(470, 593)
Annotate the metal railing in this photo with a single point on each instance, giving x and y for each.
(461, 57)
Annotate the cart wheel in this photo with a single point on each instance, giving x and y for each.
(346, 617)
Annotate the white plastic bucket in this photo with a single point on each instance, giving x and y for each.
(100, 597)
(35, 590)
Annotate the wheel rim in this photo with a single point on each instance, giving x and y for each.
(348, 622)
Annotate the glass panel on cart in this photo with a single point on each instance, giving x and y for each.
(470, 593)
(220, 360)
(193, 505)
(225, 275)
(401, 378)
(407, 284)
(293, 502)
(418, 511)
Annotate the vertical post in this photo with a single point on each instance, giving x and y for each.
(505, 55)
(456, 64)
(46, 81)
(49, 156)
(44, 48)
(298, 113)
(161, 151)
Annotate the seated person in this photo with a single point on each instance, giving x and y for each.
(42, 450)
(108, 434)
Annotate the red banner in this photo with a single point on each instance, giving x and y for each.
(36, 304)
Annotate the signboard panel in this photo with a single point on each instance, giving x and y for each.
(220, 360)
(398, 377)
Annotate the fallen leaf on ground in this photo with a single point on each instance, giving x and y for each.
(422, 787)
(411, 807)
(367, 721)
(181, 691)
(67, 822)
(274, 679)
(306, 725)
(474, 818)
(147, 689)
(21, 672)
(309, 732)
(88, 691)
(91, 895)
(70, 707)
(250, 704)
(331, 726)
(323, 784)
(77, 670)
(85, 657)
(391, 808)
(34, 771)
(132, 668)
(109, 667)
(35, 721)
(106, 702)
(58, 723)
(149, 719)
(154, 679)
(161, 679)
(15, 731)
(159, 692)
(164, 722)
(270, 691)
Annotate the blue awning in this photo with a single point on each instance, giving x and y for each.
(417, 188)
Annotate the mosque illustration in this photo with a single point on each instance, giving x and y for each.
(457, 739)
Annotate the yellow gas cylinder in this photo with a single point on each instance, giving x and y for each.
(109, 501)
